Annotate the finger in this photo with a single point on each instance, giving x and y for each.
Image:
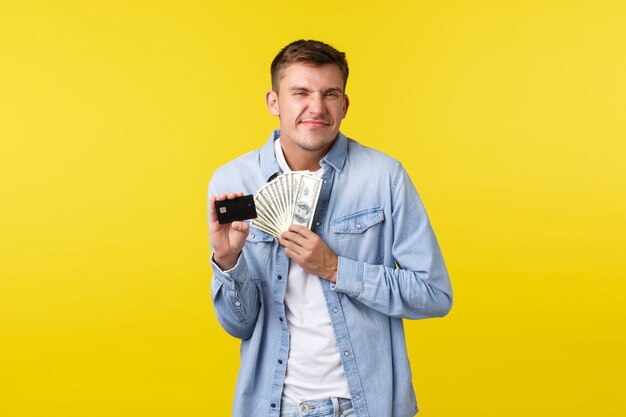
(228, 196)
(293, 237)
(293, 248)
(301, 230)
(220, 197)
(291, 254)
(212, 213)
(241, 226)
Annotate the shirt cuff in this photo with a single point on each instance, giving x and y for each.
(236, 274)
(349, 277)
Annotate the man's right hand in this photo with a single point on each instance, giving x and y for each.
(227, 239)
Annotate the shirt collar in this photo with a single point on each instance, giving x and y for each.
(269, 164)
(336, 157)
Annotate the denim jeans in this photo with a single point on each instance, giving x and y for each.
(327, 407)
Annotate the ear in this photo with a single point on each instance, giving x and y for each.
(271, 99)
(346, 104)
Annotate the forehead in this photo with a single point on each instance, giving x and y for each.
(300, 74)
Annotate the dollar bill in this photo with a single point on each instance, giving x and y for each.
(306, 201)
(290, 198)
(261, 225)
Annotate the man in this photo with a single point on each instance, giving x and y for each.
(302, 212)
(320, 311)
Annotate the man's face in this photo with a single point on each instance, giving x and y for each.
(302, 210)
(311, 104)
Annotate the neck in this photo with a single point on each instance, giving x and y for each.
(302, 164)
(300, 159)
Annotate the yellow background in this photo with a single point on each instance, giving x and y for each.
(509, 116)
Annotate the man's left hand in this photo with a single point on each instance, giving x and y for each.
(310, 252)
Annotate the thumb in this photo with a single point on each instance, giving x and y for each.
(241, 226)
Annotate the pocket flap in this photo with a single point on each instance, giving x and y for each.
(357, 222)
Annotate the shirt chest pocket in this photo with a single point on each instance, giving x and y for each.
(358, 235)
(257, 252)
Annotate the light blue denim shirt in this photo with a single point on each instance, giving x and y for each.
(390, 268)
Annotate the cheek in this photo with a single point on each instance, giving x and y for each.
(339, 113)
(290, 112)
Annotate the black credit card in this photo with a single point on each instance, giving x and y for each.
(239, 208)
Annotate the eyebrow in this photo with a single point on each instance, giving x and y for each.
(328, 90)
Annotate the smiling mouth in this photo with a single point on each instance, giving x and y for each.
(315, 123)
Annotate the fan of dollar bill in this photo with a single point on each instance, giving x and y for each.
(290, 198)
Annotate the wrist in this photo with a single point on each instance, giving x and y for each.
(227, 261)
(332, 269)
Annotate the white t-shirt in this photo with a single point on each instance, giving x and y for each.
(314, 366)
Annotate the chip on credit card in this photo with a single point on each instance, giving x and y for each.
(238, 208)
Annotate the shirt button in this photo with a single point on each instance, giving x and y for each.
(358, 226)
(357, 396)
(280, 277)
(273, 405)
(325, 181)
(280, 361)
(335, 309)
(317, 223)
(237, 303)
(251, 235)
(280, 318)
(346, 353)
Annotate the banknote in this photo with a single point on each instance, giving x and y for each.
(306, 201)
(290, 198)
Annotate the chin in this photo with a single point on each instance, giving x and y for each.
(316, 141)
(315, 145)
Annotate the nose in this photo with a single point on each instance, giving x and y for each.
(316, 104)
